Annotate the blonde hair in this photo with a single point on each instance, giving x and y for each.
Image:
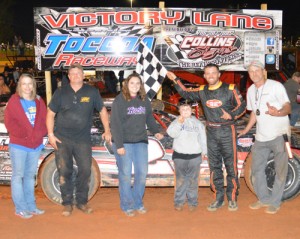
(125, 89)
(19, 89)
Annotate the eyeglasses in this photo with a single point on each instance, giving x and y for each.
(74, 99)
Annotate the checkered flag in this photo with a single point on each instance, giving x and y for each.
(174, 44)
(136, 31)
(150, 69)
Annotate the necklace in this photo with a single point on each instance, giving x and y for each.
(258, 97)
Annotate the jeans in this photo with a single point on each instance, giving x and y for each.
(136, 155)
(260, 154)
(82, 153)
(187, 176)
(24, 168)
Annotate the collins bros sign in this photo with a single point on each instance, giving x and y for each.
(108, 38)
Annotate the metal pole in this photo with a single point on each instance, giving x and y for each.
(264, 6)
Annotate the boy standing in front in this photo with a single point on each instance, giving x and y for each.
(189, 147)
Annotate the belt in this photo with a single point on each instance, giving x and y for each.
(216, 124)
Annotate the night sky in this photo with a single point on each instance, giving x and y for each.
(23, 20)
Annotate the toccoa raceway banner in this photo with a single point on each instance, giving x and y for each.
(108, 38)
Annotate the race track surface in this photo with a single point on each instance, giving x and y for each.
(161, 222)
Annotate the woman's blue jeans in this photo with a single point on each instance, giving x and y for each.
(24, 168)
(137, 156)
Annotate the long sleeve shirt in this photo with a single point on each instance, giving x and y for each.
(189, 137)
(130, 120)
(213, 100)
(20, 130)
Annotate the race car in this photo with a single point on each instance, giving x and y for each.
(160, 164)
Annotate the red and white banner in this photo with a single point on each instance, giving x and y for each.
(108, 38)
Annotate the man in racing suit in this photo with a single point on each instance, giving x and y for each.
(222, 104)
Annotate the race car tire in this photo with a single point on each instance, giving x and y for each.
(48, 179)
(248, 173)
(292, 186)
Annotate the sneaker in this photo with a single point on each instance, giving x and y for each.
(37, 212)
(215, 205)
(129, 213)
(257, 205)
(67, 211)
(84, 208)
(232, 206)
(272, 210)
(178, 207)
(142, 210)
(24, 215)
(192, 208)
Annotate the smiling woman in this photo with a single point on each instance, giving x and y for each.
(25, 117)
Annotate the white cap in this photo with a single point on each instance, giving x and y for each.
(257, 64)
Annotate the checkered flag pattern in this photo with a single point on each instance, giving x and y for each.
(150, 69)
(174, 44)
(130, 31)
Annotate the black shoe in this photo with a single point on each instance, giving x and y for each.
(215, 205)
(84, 208)
(67, 211)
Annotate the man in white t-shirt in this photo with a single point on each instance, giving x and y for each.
(270, 106)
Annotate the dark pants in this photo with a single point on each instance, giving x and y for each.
(221, 143)
(260, 153)
(82, 154)
(187, 177)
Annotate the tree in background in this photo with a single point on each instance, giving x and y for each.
(6, 20)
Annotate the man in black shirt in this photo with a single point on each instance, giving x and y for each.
(71, 109)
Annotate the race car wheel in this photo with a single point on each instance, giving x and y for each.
(292, 185)
(48, 178)
(247, 173)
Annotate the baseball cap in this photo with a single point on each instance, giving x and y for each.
(257, 64)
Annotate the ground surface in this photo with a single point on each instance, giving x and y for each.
(162, 221)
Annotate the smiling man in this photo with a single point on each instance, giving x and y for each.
(269, 105)
(222, 105)
(71, 109)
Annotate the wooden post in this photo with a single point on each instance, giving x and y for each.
(48, 86)
(264, 6)
(159, 93)
(161, 4)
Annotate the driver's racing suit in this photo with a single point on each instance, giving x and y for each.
(221, 133)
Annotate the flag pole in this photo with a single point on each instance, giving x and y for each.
(159, 93)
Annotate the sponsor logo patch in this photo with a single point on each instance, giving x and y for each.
(213, 103)
(85, 99)
(245, 142)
